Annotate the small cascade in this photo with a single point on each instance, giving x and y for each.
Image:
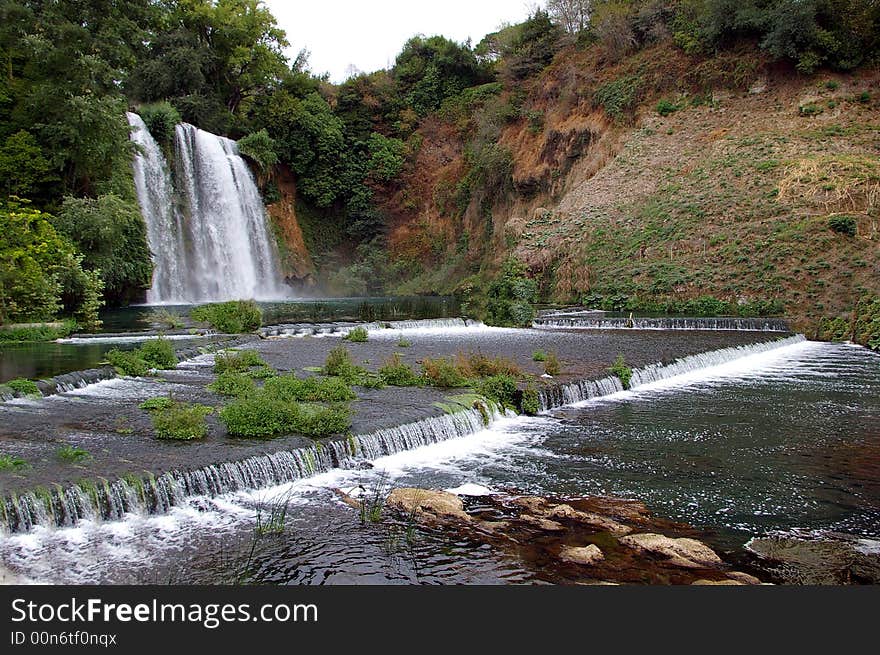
(581, 390)
(342, 328)
(597, 322)
(206, 225)
(156, 495)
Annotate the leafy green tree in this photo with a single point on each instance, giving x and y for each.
(40, 271)
(110, 233)
(259, 147)
(23, 167)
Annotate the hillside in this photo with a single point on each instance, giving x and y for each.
(728, 195)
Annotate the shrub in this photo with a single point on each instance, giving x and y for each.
(290, 388)
(264, 372)
(11, 463)
(260, 148)
(234, 317)
(45, 332)
(161, 119)
(866, 326)
(237, 360)
(511, 296)
(443, 373)
(478, 365)
(158, 402)
(619, 97)
(810, 109)
(552, 365)
(530, 403)
(843, 225)
(623, 372)
(158, 353)
(232, 383)
(403, 343)
(128, 362)
(339, 363)
(321, 421)
(357, 335)
(181, 421)
(500, 388)
(539, 356)
(164, 318)
(23, 387)
(72, 454)
(666, 107)
(399, 374)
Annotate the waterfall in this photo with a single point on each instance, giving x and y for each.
(581, 390)
(341, 328)
(664, 323)
(207, 229)
(105, 500)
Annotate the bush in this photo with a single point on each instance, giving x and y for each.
(623, 372)
(530, 403)
(666, 107)
(232, 383)
(500, 388)
(866, 326)
(843, 225)
(260, 148)
(161, 119)
(619, 97)
(357, 335)
(290, 388)
(158, 353)
(128, 362)
(181, 421)
(23, 387)
(511, 296)
(397, 373)
(45, 332)
(163, 318)
(552, 365)
(403, 343)
(478, 365)
(237, 360)
(234, 317)
(339, 364)
(539, 356)
(443, 373)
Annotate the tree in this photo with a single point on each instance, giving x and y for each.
(23, 168)
(572, 15)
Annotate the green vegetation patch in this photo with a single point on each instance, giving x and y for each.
(181, 421)
(233, 317)
(237, 360)
(11, 463)
(357, 335)
(621, 371)
(23, 387)
(397, 373)
(232, 383)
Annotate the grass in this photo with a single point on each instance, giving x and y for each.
(402, 342)
(357, 335)
(273, 521)
(290, 388)
(11, 463)
(165, 319)
(373, 503)
(234, 317)
(157, 402)
(72, 455)
(530, 403)
(340, 364)
(443, 373)
(552, 366)
(181, 421)
(539, 356)
(263, 415)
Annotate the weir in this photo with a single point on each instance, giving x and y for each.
(341, 328)
(157, 494)
(663, 323)
(206, 224)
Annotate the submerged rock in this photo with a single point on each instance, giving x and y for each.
(823, 559)
(683, 552)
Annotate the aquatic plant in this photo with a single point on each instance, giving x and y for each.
(128, 362)
(72, 455)
(234, 317)
(158, 353)
(181, 421)
(397, 373)
(232, 383)
(402, 342)
(621, 371)
(290, 388)
(357, 335)
(443, 373)
(157, 402)
(23, 387)
(552, 366)
(340, 364)
(11, 463)
(530, 403)
(237, 360)
(499, 388)
(539, 356)
(165, 319)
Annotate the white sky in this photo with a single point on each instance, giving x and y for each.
(370, 33)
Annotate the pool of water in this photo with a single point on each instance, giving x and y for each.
(787, 440)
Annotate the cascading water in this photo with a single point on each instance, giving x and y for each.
(664, 323)
(208, 232)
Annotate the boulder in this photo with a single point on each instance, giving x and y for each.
(440, 504)
(585, 555)
(683, 552)
(602, 523)
(541, 523)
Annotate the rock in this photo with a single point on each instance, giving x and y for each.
(542, 523)
(441, 504)
(585, 555)
(825, 559)
(686, 553)
(707, 583)
(745, 578)
(603, 523)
